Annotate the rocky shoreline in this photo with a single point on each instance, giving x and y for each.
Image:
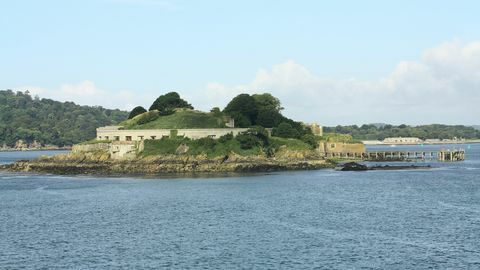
(100, 163)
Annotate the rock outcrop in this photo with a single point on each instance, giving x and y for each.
(99, 162)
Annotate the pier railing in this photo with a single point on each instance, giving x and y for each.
(441, 155)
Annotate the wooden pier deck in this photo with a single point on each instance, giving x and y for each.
(441, 155)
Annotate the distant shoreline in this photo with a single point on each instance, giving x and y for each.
(35, 149)
(421, 143)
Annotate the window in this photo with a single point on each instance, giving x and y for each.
(128, 138)
(153, 137)
(140, 137)
(106, 137)
(116, 138)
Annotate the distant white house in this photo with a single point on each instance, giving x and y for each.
(402, 140)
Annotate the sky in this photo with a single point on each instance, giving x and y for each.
(330, 62)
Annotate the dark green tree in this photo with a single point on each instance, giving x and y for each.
(166, 104)
(50, 122)
(269, 118)
(310, 139)
(243, 109)
(267, 102)
(285, 130)
(136, 111)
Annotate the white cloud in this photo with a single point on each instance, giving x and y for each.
(83, 89)
(442, 87)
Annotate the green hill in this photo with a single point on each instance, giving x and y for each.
(434, 131)
(181, 118)
(50, 122)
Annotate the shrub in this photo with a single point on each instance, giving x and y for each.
(285, 130)
(248, 141)
(136, 111)
(166, 104)
(259, 132)
(310, 139)
(147, 117)
(207, 142)
(225, 138)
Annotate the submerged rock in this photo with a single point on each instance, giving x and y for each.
(352, 166)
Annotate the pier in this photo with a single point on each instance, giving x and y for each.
(441, 155)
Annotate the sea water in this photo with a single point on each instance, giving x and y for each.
(415, 219)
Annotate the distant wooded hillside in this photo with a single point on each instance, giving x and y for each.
(435, 131)
(50, 122)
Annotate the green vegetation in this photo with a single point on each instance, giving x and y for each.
(169, 111)
(181, 118)
(337, 137)
(380, 132)
(146, 118)
(166, 104)
(292, 144)
(136, 111)
(207, 146)
(264, 110)
(50, 122)
(243, 109)
(285, 130)
(255, 141)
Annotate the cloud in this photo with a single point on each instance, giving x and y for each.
(87, 93)
(443, 86)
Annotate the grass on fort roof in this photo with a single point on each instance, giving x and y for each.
(214, 147)
(179, 120)
(291, 144)
(209, 147)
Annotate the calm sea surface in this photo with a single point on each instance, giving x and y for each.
(424, 219)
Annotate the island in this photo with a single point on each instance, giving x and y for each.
(249, 135)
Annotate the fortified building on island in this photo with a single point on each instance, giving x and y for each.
(117, 133)
(125, 143)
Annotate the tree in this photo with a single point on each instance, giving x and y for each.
(285, 130)
(216, 112)
(269, 118)
(240, 120)
(248, 141)
(166, 104)
(242, 108)
(50, 122)
(267, 102)
(253, 137)
(310, 139)
(136, 111)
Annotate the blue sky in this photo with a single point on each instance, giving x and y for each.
(380, 61)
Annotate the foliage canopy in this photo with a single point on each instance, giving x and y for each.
(166, 104)
(50, 122)
(380, 132)
(136, 111)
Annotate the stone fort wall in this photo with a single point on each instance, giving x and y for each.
(114, 133)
